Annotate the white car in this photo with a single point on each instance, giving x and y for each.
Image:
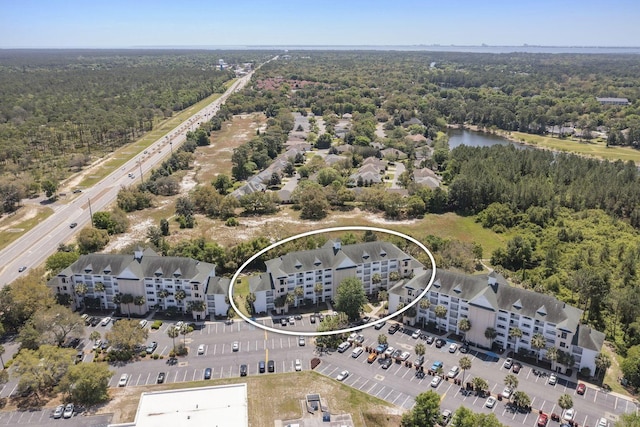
(435, 382)
(123, 380)
(58, 412)
(357, 352)
(453, 347)
(68, 411)
(352, 337)
(490, 403)
(453, 372)
(301, 341)
(506, 393)
(553, 379)
(97, 344)
(235, 346)
(105, 321)
(569, 414)
(603, 422)
(298, 365)
(179, 324)
(416, 334)
(201, 349)
(342, 375)
(507, 363)
(405, 355)
(389, 351)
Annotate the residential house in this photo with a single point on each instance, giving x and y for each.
(613, 101)
(488, 301)
(157, 282)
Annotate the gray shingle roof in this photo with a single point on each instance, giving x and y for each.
(260, 283)
(218, 285)
(588, 338)
(327, 257)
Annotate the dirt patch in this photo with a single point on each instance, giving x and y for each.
(8, 222)
(137, 232)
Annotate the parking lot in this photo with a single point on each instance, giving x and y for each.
(398, 384)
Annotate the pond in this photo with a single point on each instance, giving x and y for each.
(478, 139)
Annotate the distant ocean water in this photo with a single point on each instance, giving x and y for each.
(442, 48)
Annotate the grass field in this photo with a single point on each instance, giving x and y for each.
(592, 149)
(20, 226)
(283, 392)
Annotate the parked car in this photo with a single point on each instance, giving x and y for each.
(343, 347)
(360, 339)
(506, 393)
(58, 412)
(207, 374)
(312, 319)
(435, 382)
(516, 367)
(381, 348)
(553, 379)
(357, 352)
(445, 417)
(283, 322)
(416, 334)
(271, 366)
(436, 365)
(464, 348)
(292, 320)
(404, 356)
(342, 375)
(602, 422)
(429, 339)
(243, 370)
(542, 420)
(96, 344)
(386, 363)
(453, 372)
(372, 357)
(453, 348)
(419, 361)
(581, 388)
(235, 346)
(161, 377)
(68, 411)
(394, 328)
(95, 321)
(569, 414)
(507, 363)
(124, 378)
(152, 347)
(440, 343)
(298, 365)
(389, 351)
(261, 366)
(379, 326)
(201, 349)
(490, 403)
(142, 323)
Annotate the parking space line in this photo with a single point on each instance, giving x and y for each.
(138, 381)
(390, 391)
(148, 376)
(405, 401)
(185, 376)
(371, 388)
(175, 377)
(194, 375)
(215, 346)
(363, 384)
(380, 391)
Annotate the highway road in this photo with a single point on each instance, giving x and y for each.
(33, 248)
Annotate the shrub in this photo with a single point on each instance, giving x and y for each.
(232, 222)
(155, 356)
(181, 350)
(156, 324)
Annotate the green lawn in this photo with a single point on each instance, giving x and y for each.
(7, 237)
(592, 148)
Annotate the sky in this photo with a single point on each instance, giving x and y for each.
(190, 23)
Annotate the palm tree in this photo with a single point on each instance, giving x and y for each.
(376, 278)
(288, 300)
(139, 301)
(382, 339)
(511, 381)
(566, 359)
(464, 363)
(516, 334)
(424, 304)
(490, 334)
(99, 288)
(464, 325)
(394, 276)
(127, 299)
(521, 399)
(479, 384)
(184, 330)
(180, 295)
(441, 313)
(602, 364)
(565, 402)
(299, 293)
(95, 335)
(317, 289)
(199, 305)
(81, 289)
(383, 295)
(420, 349)
(538, 342)
(173, 332)
(552, 356)
(117, 300)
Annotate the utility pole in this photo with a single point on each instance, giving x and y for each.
(90, 212)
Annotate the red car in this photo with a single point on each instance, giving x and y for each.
(542, 420)
(581, 388)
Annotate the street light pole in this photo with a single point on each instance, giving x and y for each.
(171, 146)
(90, 212)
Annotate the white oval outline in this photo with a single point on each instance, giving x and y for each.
(330, 230)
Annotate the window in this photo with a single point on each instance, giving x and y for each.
(563, 335)
(562, 345)
(195, 287)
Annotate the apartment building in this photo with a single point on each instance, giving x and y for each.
(488, 301)
(154, 281)
(373, 263)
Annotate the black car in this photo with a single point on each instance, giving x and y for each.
(261, 366)
(161, 377)
(243, 370)
(386, 363)
(440, 343)
(95, 321)
(394, 328)
(515, 368)
(207, 374)
(271, 366)
(73, 225)
(464, 349)
(429, 339)
(283, 322)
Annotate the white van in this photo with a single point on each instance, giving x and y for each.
(143, 323)
(343, 347)
(357, 352)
